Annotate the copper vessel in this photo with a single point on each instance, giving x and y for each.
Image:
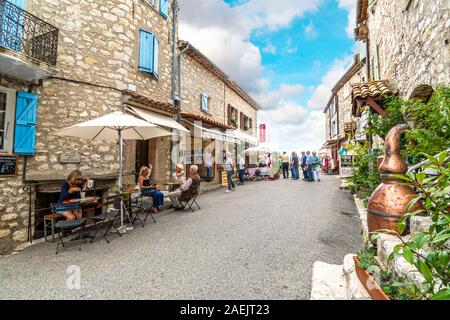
(389, 201)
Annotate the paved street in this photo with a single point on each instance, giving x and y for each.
(259, 242)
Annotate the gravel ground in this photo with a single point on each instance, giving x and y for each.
(259, 242)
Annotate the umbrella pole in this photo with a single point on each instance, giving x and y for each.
(120, 176)
(122, 228)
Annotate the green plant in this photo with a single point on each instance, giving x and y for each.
(431, 133)
(366, 176)
(366, 257)
(233, 122)
(428, 251)
(380, 126)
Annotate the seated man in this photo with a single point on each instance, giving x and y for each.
(184, 192)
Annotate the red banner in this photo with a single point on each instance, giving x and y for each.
(262, 133)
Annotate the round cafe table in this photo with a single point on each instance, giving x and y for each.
(84, 203)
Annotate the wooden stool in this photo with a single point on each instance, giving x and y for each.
(50, 220)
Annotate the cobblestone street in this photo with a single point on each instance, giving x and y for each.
(259, 242)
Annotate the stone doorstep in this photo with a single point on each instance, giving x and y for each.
(327, 282)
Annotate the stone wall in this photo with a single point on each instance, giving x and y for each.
(197, 79)
(99, 42)
(413, 47)
(344, 94)
(232, 98)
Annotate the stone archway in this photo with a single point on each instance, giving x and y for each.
(421, 92)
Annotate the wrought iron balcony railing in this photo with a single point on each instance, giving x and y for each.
(27, 34)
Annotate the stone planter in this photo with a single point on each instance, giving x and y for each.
(369, 283)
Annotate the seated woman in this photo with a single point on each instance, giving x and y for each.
(179, 176)
(70, 189)
(149, 189)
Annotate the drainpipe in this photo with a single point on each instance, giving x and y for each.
(174, 45)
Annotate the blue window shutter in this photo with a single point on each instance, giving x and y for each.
(164, 8)
(155, 56)
(146, 53)
(26, 119)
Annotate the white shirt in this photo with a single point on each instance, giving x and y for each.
(241, 163)
(208, 159)
(228, 166)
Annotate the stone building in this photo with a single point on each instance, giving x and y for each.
(407, 44)
(219, 114)
(64, 62)
(339, 121)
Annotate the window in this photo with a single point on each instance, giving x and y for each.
(161, 5)
(333, 129)
(164, 8)
(7, 103)
(148, 53)
(204, 102)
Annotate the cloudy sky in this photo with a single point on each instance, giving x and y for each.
(287, 54)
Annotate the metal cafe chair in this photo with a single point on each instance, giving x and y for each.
(108, 217)
(194, 193)
(65, 226)
(143, 205)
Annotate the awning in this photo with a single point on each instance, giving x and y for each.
(157, 119)
(242, 136)
(214, 134)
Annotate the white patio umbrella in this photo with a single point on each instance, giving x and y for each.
(115, 126)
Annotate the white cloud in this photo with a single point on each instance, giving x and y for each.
(322, 92)
(350, 6)
(275, 99)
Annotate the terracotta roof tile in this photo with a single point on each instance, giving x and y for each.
(164, 106)
(371, 89)
(207, 120)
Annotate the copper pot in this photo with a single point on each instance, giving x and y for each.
(389, 200)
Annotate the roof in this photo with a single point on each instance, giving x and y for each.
(371, 89)
(163, 106)
(356, 66)
(211, 66)
(368, 92)
(206, 120)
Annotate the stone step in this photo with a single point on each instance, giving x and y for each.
(327, 282)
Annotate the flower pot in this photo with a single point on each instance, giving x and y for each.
(369, 283)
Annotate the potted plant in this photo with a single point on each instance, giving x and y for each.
(364, 261)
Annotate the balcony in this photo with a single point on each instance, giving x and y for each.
(28, 45)
(350, 127)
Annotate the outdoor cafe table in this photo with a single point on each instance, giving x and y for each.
(84, 203)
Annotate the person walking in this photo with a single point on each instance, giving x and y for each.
(208, 158)
(295, 163)
(309, 169)
(285, 165)
(229, 168)
(315, 166)
(304, 166)
(241, 162)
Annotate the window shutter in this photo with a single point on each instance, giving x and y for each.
(164, 8)
(26, 119)
(146, 53)
(155, 55)
(204, 98)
